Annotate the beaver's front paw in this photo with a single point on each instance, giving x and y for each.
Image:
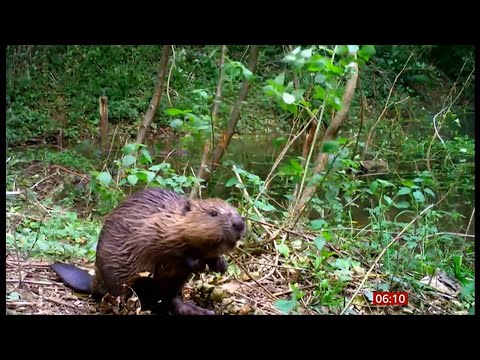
(218, 264)
(196, 265)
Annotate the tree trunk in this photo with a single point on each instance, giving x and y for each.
(148, 118)
(330, 134)
(216, 106)
(103, 101)
(227, 135)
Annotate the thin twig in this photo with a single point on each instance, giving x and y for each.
(36, 238)
(290, 290)
(367, 141)
(169, 76)
(267, 292)
(33, 282)
(468, 226)
(60, 302)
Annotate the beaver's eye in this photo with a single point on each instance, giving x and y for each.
(213, 213)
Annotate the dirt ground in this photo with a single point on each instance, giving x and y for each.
(41, 292)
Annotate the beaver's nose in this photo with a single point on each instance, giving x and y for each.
(238, 224)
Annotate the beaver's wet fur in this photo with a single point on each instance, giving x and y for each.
(162, 233)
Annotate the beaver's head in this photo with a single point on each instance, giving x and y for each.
(211, 226)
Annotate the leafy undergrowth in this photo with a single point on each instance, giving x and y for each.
(316, 273)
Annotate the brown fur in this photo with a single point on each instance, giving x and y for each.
(156, 231)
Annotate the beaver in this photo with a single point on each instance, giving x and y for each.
(165, 234)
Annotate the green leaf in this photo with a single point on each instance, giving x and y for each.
(374, 186)
(128, 160)
(104, 178)
(280, 79)
(334, 69)
(146, 158)
(231, 182)
(404, 191)
(430, 192)
(132, 179)
(317, 224)
(320, 78)
(269, 90)
(288, 98)
(13, 296)
(409, 183)
(307, 53)
(150, 175)
(319, 242)
(262, 206)
(468, 289)
(471, 310)
(330, 147)
(176, 124)
(402, 205)
(327, 235)
(298, 93)
(173, 111)
(283, 249)
(352, 48)
(384, 183)
(296, 50)
(341, 49)
(247, 72)
(129, 148)
(285, 306)
(279, 141)
(419, 197)
(366, 52)
(319, 93)
(343, 264)
(388, 200)
(156, 167)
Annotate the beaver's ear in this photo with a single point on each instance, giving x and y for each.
(186, 207)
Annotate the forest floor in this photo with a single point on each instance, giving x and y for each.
(262, 281)
(41, 292)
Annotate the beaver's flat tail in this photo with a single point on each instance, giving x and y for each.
(78, 279)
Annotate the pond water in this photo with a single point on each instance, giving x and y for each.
(257, 153)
